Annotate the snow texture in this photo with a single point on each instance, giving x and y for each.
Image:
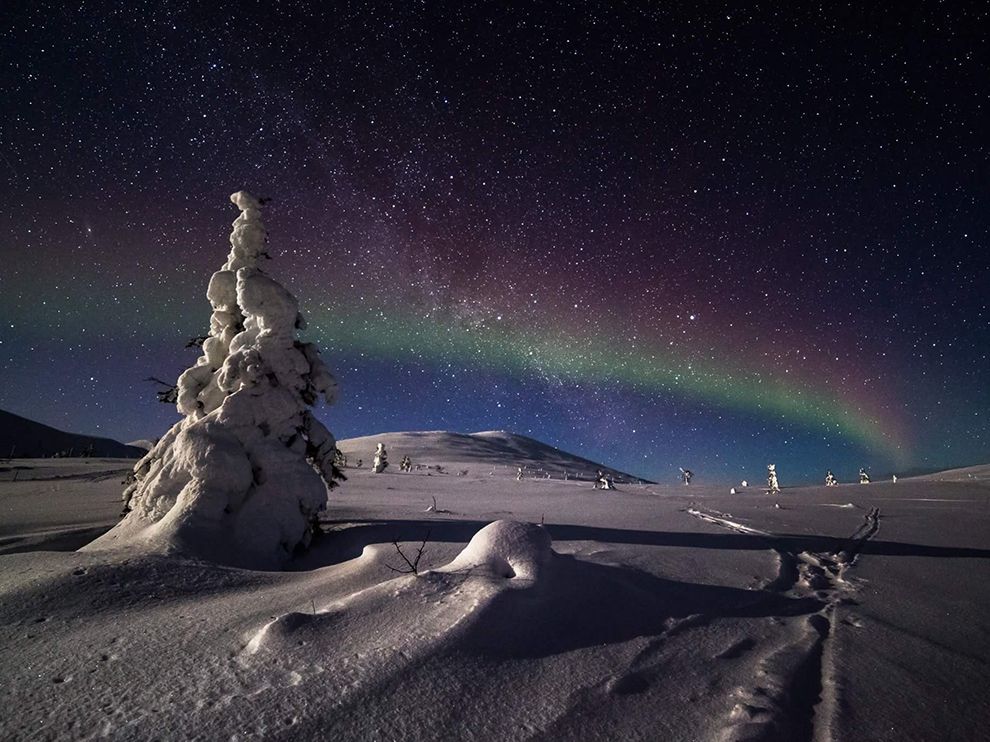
(243, 476)
(662, 612)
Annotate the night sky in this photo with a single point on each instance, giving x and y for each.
(705, 235)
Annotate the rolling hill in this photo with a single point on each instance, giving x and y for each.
(491, 448)
(23, 438)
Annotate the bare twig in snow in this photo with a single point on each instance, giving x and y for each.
(412, 566)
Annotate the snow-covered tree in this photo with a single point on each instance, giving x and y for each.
(381, 459)
(773, 486)
(242, 477)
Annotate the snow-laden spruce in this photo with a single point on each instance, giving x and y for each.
(241, 479)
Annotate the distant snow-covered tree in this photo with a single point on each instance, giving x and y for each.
(381, 459)
(242, 477)
(773, 486)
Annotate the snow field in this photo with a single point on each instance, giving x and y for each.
(628, 615)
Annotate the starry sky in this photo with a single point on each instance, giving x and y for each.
(656, 235)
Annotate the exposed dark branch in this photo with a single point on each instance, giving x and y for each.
(412, 567)
(169, 395)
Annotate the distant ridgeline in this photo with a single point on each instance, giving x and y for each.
(26, 439)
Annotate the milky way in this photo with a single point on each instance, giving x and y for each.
(708, 238)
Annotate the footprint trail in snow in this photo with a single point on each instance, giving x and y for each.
(793, 695)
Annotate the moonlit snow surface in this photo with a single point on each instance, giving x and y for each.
(648, 612)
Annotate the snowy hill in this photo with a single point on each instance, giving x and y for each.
(492, 448)
(25, 438)
(964, 474)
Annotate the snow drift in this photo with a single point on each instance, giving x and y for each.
(241, 479)
(505, 548)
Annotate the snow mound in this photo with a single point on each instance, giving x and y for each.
(506, 548)
(410, 617)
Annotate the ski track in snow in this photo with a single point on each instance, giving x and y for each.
(794, 696)
(722, 519)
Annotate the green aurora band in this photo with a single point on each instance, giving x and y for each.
(411, 336)
(526, 354)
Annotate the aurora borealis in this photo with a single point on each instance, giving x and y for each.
(711, 238)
